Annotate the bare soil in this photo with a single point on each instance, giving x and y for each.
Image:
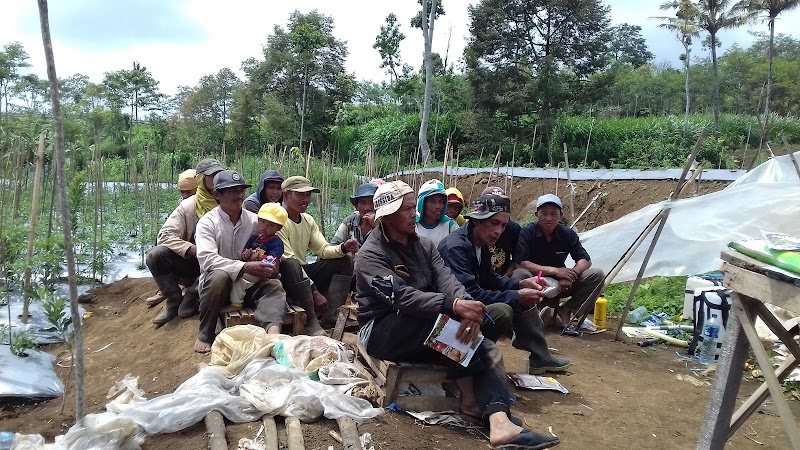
(621, 396)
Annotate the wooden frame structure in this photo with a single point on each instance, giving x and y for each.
(296, 318)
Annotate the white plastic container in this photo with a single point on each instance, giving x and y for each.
(692, 283)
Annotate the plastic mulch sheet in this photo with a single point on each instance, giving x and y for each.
(31, 376)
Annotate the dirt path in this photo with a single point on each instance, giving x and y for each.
(621, 396)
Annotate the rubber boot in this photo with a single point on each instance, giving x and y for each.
(155, 299)
(338, 290)
(169, 287)
(191, 301)
(529, 331)
(301, 295)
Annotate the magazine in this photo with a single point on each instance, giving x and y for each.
(780, 241)
(443, 340)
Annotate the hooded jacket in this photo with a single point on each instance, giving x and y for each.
(445, 225)
(460, 219)
(254, 201)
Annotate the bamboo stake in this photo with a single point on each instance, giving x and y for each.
(397, 164)
(663, 215)
(533, 144)
(17, 180)
(475, 177)
(37, 187)
(510, 183)
(791, 156)
(570, 187)
(574, 222)
(295, 434)
(270, 433)
(454, 179)
(444, 161)
(308, 157)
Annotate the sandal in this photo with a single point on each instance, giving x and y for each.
(569, 330)
(529, 440)
(481, 422)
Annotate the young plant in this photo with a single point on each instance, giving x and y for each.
(57, 313)
(20, 342)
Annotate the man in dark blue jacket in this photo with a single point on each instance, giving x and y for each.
(510, 302)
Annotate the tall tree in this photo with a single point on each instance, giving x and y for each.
(388, 45)
(307, 40)
(58, 150)
(426, 20)
(685, 27)
(12, 58)
(522, 55)
(628, 45)
(772, 9)
(713, 16)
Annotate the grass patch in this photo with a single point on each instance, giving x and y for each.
(664, 294)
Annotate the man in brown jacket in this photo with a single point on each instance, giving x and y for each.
(173, 261)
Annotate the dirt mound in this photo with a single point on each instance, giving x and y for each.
(620, 395)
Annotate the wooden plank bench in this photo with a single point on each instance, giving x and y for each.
(295, 319)
(391, 374)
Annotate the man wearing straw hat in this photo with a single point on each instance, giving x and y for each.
(173, 261)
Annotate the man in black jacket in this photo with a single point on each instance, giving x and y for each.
(510, 302)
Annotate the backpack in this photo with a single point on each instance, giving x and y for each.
(703, 307)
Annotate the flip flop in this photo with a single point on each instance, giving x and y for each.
(529, 440)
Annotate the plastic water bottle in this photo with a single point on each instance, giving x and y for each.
(637, 315)
(600, 312)
(6, 440)
(708, 348)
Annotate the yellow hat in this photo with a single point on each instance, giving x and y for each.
(187, 181)
(274, 213)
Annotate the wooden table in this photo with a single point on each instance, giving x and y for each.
(754, 284)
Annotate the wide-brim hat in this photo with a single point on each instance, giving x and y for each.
(298, 184)
(389, 197)
(228, 179)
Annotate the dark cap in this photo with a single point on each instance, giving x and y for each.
(228, 179)
(209, 166)
(272, 175)
(488, 205)
(365, 190)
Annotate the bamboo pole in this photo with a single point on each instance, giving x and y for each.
(475, 178)
(37, 187)
(215, 425)
(349, 432)
(270, 433)
(18, 163)
(454, 179)
(295, 434)
(444, 161)
(308, 157)
(791, 156)
(580, 216)
(663, 215)
(570, 187)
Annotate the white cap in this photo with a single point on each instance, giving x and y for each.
(548, 198)
(389, 197)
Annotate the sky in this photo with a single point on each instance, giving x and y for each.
(179, 41)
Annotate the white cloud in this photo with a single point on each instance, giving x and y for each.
(237, 29)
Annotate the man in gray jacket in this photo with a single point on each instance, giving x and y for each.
(173, 261)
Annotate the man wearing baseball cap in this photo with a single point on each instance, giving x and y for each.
(221, 237)
(320, 287)
(543, 248)
(511, 303)
(173, 261)
(402, 287)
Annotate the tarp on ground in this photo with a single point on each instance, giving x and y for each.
(29, 376)
(699, 228)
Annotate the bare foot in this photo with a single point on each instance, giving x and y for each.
(501, 430)
(274, 330)
(471, 410)
(201, 347)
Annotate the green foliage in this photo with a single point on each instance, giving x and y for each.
(20, 342)
(656, 294)
(57, 312)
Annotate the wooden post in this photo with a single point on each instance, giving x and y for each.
(569, 184)
(444, 161)
(37, 187)
(350, 439)
(215, 425)
(474, 179)
(662, 215)
(270, 433)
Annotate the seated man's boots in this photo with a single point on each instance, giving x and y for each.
(301, 294)
(191, 301)
(338, 290)
(169, 287)
(529, 335)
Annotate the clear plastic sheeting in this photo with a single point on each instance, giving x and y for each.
(578, 174)
(699, 228)
(29, 376)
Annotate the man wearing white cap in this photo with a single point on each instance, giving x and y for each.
(402, 286)
(543, 248)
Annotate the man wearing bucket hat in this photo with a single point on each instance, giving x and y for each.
(511, 303)
(267, 191)
(402, 287)
(358, 224)
(221, 237)
(320, 287)
(173, 261)
(543, 247)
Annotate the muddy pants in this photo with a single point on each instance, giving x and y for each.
(266, 296)
(170, 269)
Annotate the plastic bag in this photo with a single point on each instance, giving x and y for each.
(127, 394)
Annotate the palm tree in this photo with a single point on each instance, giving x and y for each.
(772, 8)
(713, 16)
(684, 24)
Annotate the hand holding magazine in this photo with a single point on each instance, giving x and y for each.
(443, 339)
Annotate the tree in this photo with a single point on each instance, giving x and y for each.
(713, 16)
(58, 150)
(772, 9)
(628, 45)
(426, 20)
(388, 45)
(12, 58)
(318, 76)
(685, 27)
(526, 57)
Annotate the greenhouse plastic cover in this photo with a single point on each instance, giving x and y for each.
(30, 376)
(699, 228)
